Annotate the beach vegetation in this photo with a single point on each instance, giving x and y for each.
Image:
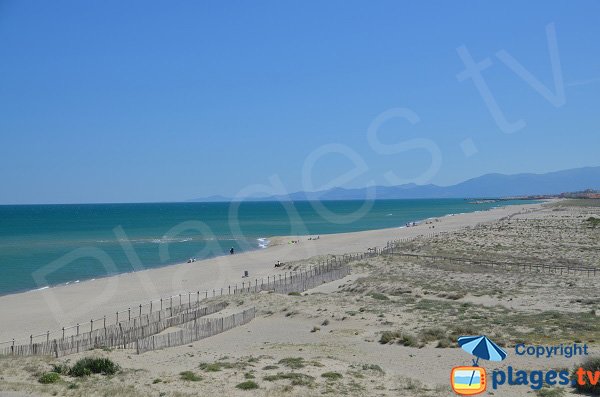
(89, 365)
(409, 340)
(452, 295)
(332, 375)
(592, 365)
(405, 339)
(49, 377)
(190, 376)
(215, 367)
(412, 384)
(292, 362)
(356, 374)
(249, 375)
(462, 330)
(593, 222)
(269, 367)
(60, 368)
(294, 294)
(432, 334)
(388, 337)
(297, 379)
(372, 367)
(379, 296)
(550, 392)
(247, 385)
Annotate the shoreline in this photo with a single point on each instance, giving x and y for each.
(263, 243)
(63, 305)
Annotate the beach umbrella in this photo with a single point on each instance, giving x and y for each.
(481, 347)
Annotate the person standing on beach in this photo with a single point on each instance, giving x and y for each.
(231, 251)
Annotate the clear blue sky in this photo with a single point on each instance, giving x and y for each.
(127, 101)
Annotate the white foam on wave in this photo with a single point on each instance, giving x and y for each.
(169, 240)
(263, 242)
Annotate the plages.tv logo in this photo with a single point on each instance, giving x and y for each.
(471, 380)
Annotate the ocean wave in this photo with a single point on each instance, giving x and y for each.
(161, 240)
(263, 242)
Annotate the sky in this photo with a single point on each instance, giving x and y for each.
(137, 101)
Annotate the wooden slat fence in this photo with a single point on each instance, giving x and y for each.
(193, 331)
(123, 327)
(559, 269)
(300, 282)
(116, 335)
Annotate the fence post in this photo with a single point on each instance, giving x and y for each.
(104, 322)
(91, 325)
(179, 299)
(229, 293)
(77, 328)
(140, 310)
(31, 340)
(129, 311)
(189, 300)
(47, 336)
(12, 349)
(63, 329)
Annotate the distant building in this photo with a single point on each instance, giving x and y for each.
(585, 194)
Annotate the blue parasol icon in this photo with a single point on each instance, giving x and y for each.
(481, 347)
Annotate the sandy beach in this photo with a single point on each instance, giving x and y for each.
(36, 312)
(390, 328)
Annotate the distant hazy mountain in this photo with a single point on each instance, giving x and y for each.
(485, 186)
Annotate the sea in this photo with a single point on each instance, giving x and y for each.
(47, 245)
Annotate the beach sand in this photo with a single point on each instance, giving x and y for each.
(329, 339)
(36, 312)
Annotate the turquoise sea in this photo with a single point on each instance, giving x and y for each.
(43, 245)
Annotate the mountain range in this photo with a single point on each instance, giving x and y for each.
(485, 186)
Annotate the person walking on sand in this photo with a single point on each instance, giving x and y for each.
(231, 251)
